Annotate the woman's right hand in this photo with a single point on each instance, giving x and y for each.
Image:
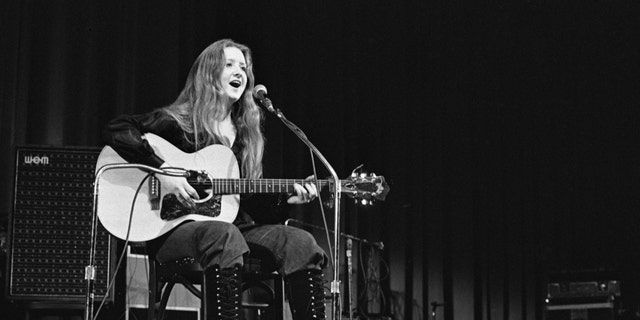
(178, 186)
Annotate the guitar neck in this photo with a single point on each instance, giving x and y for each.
(248, 186)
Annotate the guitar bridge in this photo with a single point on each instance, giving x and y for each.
(154, 192)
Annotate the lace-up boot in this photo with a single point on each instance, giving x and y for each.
(222, 293)
(306, 295)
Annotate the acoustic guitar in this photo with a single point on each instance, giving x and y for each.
(129, 205)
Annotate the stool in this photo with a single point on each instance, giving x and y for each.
(189, 273)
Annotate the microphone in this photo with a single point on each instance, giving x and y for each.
(260, 93)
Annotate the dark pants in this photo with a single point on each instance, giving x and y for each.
(223, 244)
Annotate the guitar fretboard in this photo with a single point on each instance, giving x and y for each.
(242, 186)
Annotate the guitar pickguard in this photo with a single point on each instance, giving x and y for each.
(173, 209)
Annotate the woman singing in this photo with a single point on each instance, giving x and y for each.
(216, 107)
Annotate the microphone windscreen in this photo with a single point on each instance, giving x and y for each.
(260, 91)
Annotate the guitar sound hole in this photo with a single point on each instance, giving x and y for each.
(173, 209)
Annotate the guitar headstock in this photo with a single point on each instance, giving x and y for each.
(365, 187)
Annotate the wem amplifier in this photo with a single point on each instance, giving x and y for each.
(50, 227)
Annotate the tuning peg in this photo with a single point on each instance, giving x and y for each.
(354, 172)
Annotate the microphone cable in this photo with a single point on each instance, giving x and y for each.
(126, 243)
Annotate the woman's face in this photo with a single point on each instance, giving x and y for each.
(234, 76)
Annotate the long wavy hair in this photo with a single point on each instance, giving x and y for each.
(202, 103)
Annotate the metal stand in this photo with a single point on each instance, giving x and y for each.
(349, 276)
(335, 284)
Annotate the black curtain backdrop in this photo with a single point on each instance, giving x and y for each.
(508, 131)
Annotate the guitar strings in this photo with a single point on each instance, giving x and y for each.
(239, 186)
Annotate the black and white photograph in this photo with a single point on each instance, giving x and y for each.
(308, 160)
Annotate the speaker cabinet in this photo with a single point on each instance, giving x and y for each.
(50, 226)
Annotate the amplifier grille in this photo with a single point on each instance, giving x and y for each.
(51, 225)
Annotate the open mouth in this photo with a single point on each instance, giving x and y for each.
(235, 83)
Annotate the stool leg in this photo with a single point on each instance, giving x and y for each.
(278, 297)
(306, 295)
(155, 289)
(221, 293)
(164, 299)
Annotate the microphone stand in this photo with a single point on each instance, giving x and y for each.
(90, 269)
(349, 276)
(335, 284)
